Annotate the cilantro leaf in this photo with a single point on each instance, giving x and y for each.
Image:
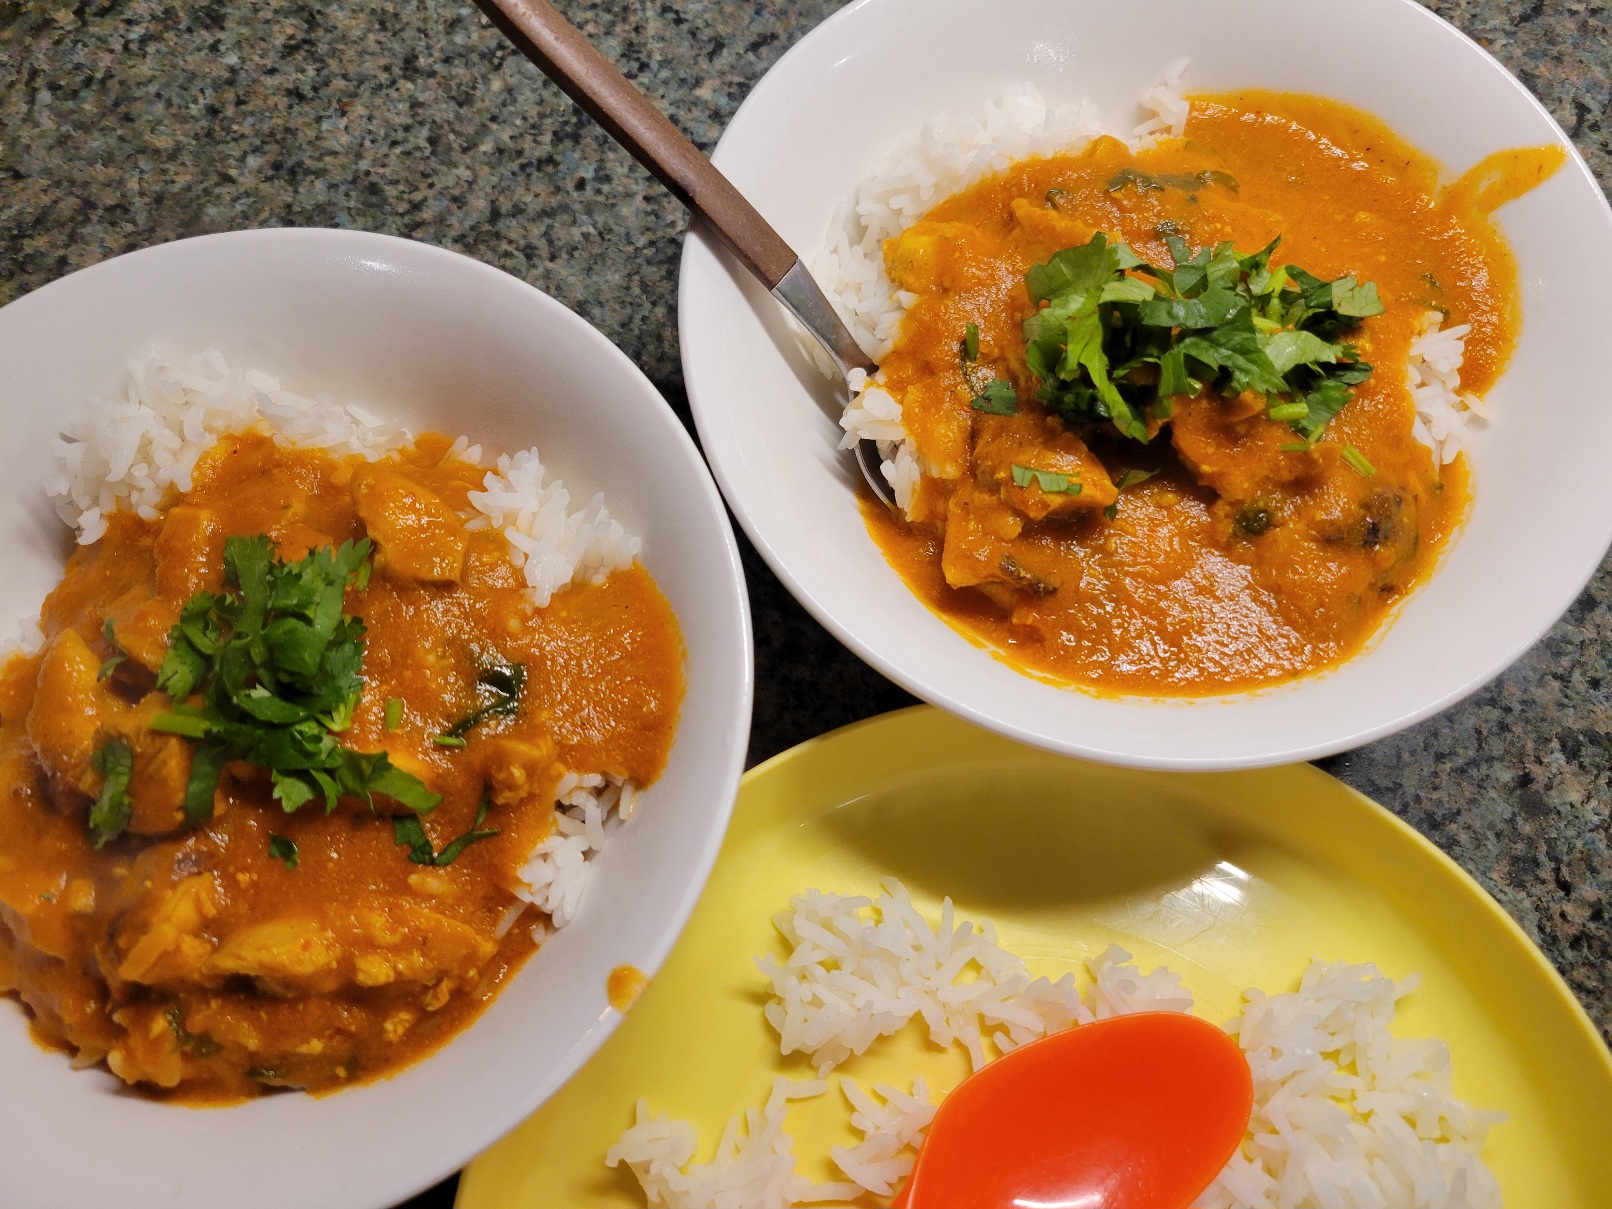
(198, 1044)
(1115, 339)
(112, 810)
(282, 849)
(392, 782)
(1234, 348)
(998, 399)
(1210, 309)
(1147, 182)
(183, 666)
(499, 689)
(292, 792)
(277, 666)
(1321, 404)
(409, 832)
(1289, 349)
(1173, 376)
(1128, 289)
(206, 765)
(1051, 482)
(118, 653)
(1356, 299)
(1084, 351)
(1079, 270)
(1132, 477)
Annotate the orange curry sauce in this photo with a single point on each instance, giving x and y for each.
(1181, 592)
(194, 961)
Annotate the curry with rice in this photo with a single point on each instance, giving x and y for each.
(272, 780)
(1159, 397)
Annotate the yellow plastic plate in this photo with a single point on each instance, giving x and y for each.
(1232, 879)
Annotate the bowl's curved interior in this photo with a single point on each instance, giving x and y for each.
(451, 345)
(846, 94)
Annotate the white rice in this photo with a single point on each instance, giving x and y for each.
(952, 152)
(551, 544)
(1346, 1116)
(139, 450)
(753, 1168)
(1433, 373)
(131, 452)
(1169, 106)
(892, 1128)
(860, 969)
(136, 451)
(589, 809)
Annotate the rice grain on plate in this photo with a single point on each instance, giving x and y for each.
(1346, 1115)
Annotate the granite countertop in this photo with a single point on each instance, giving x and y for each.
(133, 123)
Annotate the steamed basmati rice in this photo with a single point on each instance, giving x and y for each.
(138, 451)
(952, 152)
(589, 809)
(552, 545)
(1433, 373)
(1346, 1116)
(132, 452)
(754, 1164)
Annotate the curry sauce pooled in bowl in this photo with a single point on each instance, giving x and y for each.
(324, 726)
(1183, 416)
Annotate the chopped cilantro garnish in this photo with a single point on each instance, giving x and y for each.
(1129, 479)
(499, 690)
(282, 849)
(118, 653)
(1358, 460)
(198, 1044)
(1252, 520)
(998, 399)
(971, 341)
(1147, 182)
(448, 740)
(409, 832)
(1115, 338)
(394, 712)
(1050, 481)
(110, 815)
(276, 665)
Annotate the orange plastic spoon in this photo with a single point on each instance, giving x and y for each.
(1135, 1112)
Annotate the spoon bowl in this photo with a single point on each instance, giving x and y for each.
(1133, 1112)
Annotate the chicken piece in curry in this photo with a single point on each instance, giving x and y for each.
(270, 783)
(1159, 398)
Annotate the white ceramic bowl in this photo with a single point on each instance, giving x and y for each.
(826, 113)
(449, 344)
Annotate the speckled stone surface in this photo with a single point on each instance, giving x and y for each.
(131, 123)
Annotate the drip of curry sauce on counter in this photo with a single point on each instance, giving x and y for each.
(197, 961)
(1237, 564)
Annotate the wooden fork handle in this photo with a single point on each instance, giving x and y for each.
(592, 81)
